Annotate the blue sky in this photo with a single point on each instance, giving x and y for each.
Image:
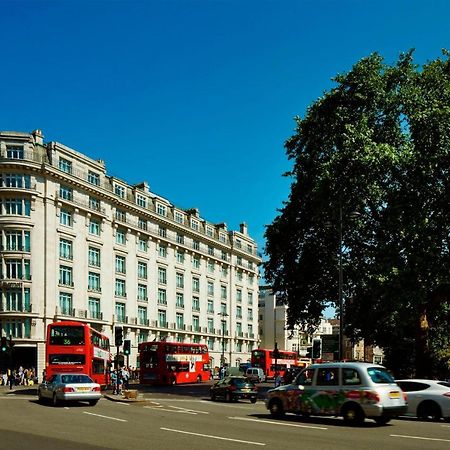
(196, 97)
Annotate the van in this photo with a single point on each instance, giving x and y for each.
(255, 374)
(354, 391)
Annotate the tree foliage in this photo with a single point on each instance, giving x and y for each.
(377, 143)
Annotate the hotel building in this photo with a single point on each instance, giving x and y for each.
(78, 244)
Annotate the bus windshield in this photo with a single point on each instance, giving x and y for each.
(64, 335)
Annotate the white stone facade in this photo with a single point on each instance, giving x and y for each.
(78, 244)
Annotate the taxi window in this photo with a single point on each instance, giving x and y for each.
(350, 377)
(305, 378)
(328, 377)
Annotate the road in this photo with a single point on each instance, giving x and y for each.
(183, 417)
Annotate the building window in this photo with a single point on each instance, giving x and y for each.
(238, 243)
(15, 301)
(142, 293)
(94, 282)
(195, 284)
(210, 250)
(94, 203)
(250, 298)
(250, 330)
(224, 271)
(94, 308)
(120, 264)
(210, 325)
(209, 231)
(65, 193)
(249, 314)
(142, 245)
(161, 209)
(179, 218)
(239, 347)
(17, 269)
(239, 328)
(162, 231)
(142, 315)
(119, 190)
(179, 279)
(239, 275)
(141, 201)
(17, 240)
(94, 256)
(15, 180)
(162, 275)
(251, 279)
(222, 237)
(93, 178)
(142, 270)
(196, 262)
(120, 312)
(224, 255)
(162, 318)
(65, 249)
(142, 224)
(239, 260)
(239, 295)
(162, 296)
(65, 276)
(195, 323)
(179, 300)
(14, 152)
(120, 290)
(223, 309)
(210, 309)
(223, 292)
(65, 165)
(94, 227)
(195, 224)
(211, 288)
(180, 256)
(65, 218)
(65, 304)
(162, 251)
(121, 215)
(211, 344)
(180, 321)
(210, 265)
(120, 237)
(195, 244)
(195, 304)
(238, 312)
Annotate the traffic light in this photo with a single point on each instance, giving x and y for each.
(126, 347)
(118, 336)
(308, 352)
(317, 349)
(4, 345)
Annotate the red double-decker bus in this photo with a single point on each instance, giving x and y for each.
(173, 363)
(77, 347)
(266, 360)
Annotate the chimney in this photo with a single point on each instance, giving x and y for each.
(38, 137)
(243, 227)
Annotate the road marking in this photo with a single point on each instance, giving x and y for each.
(123, 404)
(105, 417)
(66, 407)
(190, 410)
(285, 424)
(213, 437)
(160, 408)
(420, 438)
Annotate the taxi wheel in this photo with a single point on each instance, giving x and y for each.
(353, 414)
(229, 397)
(276, 408)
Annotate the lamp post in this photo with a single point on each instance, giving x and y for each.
(223, 315)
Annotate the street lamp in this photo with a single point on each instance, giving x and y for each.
(223, 315)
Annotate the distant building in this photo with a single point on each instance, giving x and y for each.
(79, 244)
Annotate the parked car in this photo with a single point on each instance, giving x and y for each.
(354, 391)
(255, 374)
(234, 388)
(427, 399)
(69, 387)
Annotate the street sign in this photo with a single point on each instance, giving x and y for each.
(330, 343)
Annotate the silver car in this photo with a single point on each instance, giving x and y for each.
(427, 399)
(69, 387)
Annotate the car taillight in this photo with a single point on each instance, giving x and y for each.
(96, 388)
(372, 396)
(233, 387)
(68, 389)
(405, 397)
(446, 394)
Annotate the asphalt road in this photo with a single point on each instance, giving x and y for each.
(183, 417)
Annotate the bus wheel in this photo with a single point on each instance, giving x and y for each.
(199, 379)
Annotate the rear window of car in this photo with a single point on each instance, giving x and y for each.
(411, 386)
(239, 382)
(76, 379)
(380, 375)
(444, 383)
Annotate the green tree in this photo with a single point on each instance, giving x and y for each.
(377, 143)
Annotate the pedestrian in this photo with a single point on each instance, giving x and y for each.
(10, 378)
(278, 380)
(125, 377)
(114, 381)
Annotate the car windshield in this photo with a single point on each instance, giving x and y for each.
(75, 379)
(380, 375)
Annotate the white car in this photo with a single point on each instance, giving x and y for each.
(427, 399)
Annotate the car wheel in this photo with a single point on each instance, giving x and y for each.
(40, 398)
(382, 420)
(93, 402)
(229, 397)
(253, 399)
(213, 397)
(429, 411)
(55, 400)
(276, 408)
(353, 414)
